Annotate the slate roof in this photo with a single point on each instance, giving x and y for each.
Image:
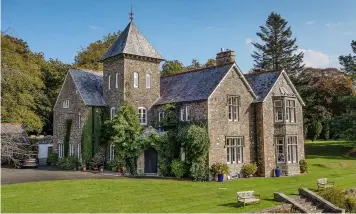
(89, 85)
(191, 85)
(131, 41)
(262, 82)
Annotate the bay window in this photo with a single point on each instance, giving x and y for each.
(278, 111)
(292, 153)
(290, 111)
(234, 150)
(280, 151)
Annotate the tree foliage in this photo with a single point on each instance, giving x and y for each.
(88, 57)
(210, 63)
(349, 62)
(278, 48)
(172, 67)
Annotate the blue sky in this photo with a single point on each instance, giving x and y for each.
(183, 29)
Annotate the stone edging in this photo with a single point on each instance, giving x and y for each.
(324, 203)
(284, 198)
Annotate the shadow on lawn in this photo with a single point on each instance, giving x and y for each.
(328, 149)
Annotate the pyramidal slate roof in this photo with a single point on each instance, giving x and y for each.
(131, 41)
(262, 82)
(90, 86)
(191, 85)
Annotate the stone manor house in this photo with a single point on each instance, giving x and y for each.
(255, 117)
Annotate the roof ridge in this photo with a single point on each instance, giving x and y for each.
(98, 73)
(263, 72)
(195, 70)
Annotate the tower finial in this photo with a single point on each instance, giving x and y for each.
(131, 14)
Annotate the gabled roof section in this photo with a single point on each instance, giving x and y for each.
(191, 85)
(90, 86)
(262, 82)
(131, 41)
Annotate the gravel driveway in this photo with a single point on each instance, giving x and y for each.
(12, 176)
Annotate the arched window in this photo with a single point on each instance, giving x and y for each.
(112, 113)
(135, 80)
(109, 80)
(117, 80)
(148, 80)
(142, 115)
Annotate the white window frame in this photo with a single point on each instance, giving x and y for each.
(292, 149)
(142, 115)
(71, 149)
(280, 143)
(78, 150)
(290, 111)
(185, 113)
(233, 102)
(182, 114)
(135, 80)
(117, 80)
(60, 150)
(112, 112)
(65, 103)
(79, 120)
(148, 80)
(234, 150)
(278, 110)
(109, 82)
(160, 117)
(112, 152)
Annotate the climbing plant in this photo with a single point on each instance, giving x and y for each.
(87, 140)
(67, 137)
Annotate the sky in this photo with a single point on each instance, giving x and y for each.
(185, 29)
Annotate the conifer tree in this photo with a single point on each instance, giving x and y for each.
(277, 49)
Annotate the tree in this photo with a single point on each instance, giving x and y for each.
(172, 67)
(349, 62)
(125, 132)
(195, 65)
(21, 83)
(210, 63)
(88, 57)
(278, 48)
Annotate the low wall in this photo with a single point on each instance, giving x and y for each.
(286, 199)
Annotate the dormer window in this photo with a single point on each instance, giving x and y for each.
(135, 80)
(66, 104)
(148, 80)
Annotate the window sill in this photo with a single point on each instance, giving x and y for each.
(285, 123)
(228, 163)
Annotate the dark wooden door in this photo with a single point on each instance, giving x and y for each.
(150, 161)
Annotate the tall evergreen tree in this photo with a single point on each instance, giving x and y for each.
(349, 62)
(278, 49)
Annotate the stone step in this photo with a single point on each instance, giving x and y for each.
(309, 205)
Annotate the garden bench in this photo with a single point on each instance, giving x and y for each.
(247, 197)
(323, 183)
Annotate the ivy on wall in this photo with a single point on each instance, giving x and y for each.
(67, 137)
(87, 140)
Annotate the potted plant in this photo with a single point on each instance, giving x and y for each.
(220, 170)
(101, 169)
(303, 164)
(84, 168)
(277, 171)
(249, 169)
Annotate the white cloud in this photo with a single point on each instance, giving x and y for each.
(316, 59)
(347, 33)
(310, 22)
(248, 41)
(331, 24)
(93, 27)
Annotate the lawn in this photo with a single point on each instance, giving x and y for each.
(154, 195)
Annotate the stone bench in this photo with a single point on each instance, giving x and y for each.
(324, 183)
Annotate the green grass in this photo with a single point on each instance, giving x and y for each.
(154, 195)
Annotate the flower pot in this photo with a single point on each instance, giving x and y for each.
(277, 172)
(303, 171)
(118, 170)
(84, 169)
(220, 177)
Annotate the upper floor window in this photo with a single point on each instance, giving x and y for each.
(112, 152)
(234, 150)
(292, 149)
(280, 150)
(66, 104)
(117, 80)
(78, 150)
(109, 82)
(79, 120)
(112, 113)
(142, 115)
(234, 108)
(278, 111)
(185, 113)
(290, 111)
(148, 80)
(135, 80)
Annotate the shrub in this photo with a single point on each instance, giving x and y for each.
(303, 164)
(164, 168)
(249, 169)
(52, 159)
(199, 170)
(69, 163)
(116, 164)
(219, 168)
(178, 168)
(350, 204)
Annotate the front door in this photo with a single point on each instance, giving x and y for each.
(150, 161)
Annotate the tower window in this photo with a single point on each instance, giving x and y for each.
(135, 80)
(112, 113)
(109, 80)
(66, 104)
(142, 115)
(117, 80)
(148, 80)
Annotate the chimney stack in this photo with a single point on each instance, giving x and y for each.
(225, 56)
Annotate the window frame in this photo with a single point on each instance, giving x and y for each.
(136, 80)
(112, 112)
(278, 110)
(234, 104)
(290, 110)
(148, 80)
(276, 139)
(60, 150)
(79, 120)
(142, 115)
(234, 149)
(65, 103)
(187, 113)
(292, 149)
(112, 151)
(71, 149)
(109, 82)
(79, 150)
(160, 117)
(117, 80)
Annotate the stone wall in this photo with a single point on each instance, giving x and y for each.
(219, 126)
(269, 129)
